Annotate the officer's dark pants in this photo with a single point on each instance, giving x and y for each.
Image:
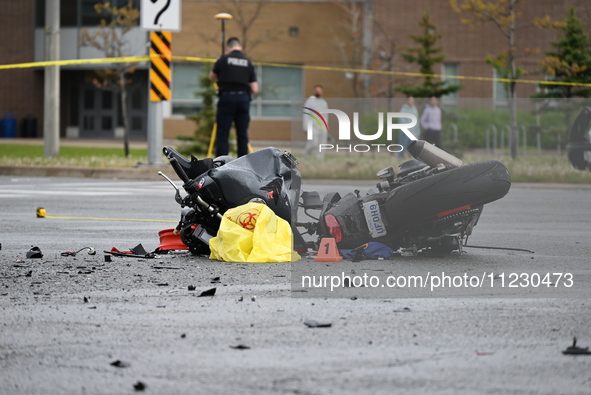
(233, 108)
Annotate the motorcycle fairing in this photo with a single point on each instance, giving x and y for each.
(251, 176)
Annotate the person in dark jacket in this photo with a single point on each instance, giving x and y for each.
(236, 78)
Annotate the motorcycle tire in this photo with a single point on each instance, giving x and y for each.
(579, 142)
(443, 193)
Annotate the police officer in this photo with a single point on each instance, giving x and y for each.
(236, 80)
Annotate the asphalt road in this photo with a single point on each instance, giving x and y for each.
(66, 320)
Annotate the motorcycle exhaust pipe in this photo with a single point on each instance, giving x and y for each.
(432, 155)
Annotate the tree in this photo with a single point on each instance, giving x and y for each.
(427, 55)
(245, 15)
(570, 61)
(351, 50)
(110, 39)
(204, 120)
(502, 13)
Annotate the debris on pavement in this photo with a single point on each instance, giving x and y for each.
(191, 287)
(209, 292)
(34, 252)
(316, 324)
(576, 350)
(136, 252)
(120, 364)
(91, 251)
(139, 386)
(402, 310)
(240, 347)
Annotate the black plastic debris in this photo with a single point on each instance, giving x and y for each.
(240, 347)
(91, 251)
(139, 386)
(34, 252)
(120, 364)
(85, 299)
(576, 350)
(216, 280)
(209, 292)
(136, 252)
(316, 324)
(139, 250)
(191, 287)
(403, 310)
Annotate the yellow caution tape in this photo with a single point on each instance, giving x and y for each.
(136, 59)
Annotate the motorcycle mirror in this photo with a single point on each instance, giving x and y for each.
(177, 195)
(386, 173)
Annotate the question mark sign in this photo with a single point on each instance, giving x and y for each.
(161, 11)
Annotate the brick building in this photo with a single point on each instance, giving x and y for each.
(300, 33)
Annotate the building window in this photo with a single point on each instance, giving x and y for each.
(185, 88)
(278, 86)
(75, 13)
(450, 69)
(499, 90)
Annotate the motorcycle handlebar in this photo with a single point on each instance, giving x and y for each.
(178, 169)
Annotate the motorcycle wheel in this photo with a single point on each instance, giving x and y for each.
(456, 189)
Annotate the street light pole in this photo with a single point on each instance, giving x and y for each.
(51, 105)
(223, 16)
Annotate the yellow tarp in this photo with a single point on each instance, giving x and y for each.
(253, 233)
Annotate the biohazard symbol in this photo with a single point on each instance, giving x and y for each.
(248, 219)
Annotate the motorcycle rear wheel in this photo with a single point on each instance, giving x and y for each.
(440, 194)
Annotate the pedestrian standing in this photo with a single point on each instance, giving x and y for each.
(409, 108)
(431, 122)
(236, 78)
(319, 133)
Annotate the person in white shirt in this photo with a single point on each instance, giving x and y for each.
(431, 122)
(319, 134)
(408, 108)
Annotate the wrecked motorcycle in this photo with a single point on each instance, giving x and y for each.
(268, 176)
(433, 202)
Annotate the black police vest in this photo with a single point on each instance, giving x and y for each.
(235, 72)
